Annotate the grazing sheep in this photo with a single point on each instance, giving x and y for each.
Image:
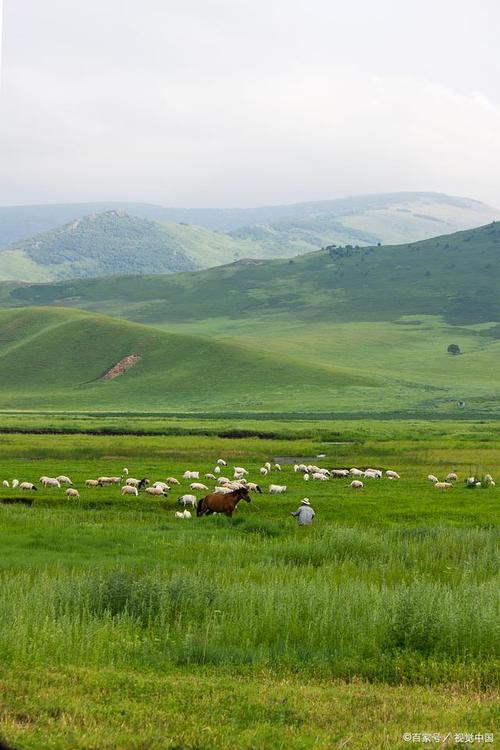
(356, 472)
(64, 479)
(191, 475)
(254, 487)
(222, 490)
(210, 476)
(198, 486)
(27, 486)
(15, 483)
(357, 484)
(129, 490)
(221, 462)
(240, 470)
(277, 489)
(267, 466)
(156, 491)
(452, 477)
(392, 474)
(5, 483)
(372, 474)
(51, 482)
(162, 485)
(296, 468)
(277, 467)
(183, 514)
(303, 468)
(91, 483)
(340, 473)
(432, 478)
(263, 471)
(223, 480)
(488, 478)
(125, 472)
(306, 477)
(71, 492)
(103, 481)
(217, 470)
(187, 500)
(173, 481)
(442, 485)
(319, 477)
(132, 482)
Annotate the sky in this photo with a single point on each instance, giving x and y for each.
(248, 102)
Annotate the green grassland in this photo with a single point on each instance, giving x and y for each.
(341, 331)
(122, 627)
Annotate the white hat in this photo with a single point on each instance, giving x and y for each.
(305, 501)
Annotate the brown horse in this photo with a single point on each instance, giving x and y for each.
(218, 503)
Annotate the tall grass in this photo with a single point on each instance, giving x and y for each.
(389, 605)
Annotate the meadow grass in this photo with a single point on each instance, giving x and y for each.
(121, 627)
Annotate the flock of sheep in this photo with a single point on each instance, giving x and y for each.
(223, 484)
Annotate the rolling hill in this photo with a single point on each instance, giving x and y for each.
(62, 359)
(453, 276)
(116, 243)
(387, 313)
(103, 239)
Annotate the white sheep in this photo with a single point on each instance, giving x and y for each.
(179, 514)
(277, 467)
(217, 470)
(198, 486)
(71, 492)
(306, 477)
(187, 515)
(51, 482)
(320, 477)
(109, 480)
(452, 477)
(91, 483)
(27, 486)
(357, 484)
(442, 485)
(155, 491)
(125, 471)
(267, 465)
(277, 489)
(63, 479)
(5, 483)
(240, 470)
(222, 490)
(392, 474)
(253, 487)
(187, 500)
(432, 478)
(173, 481)
(340, 473)
(161, 485)
(223, 480)
(263, 471)
(129, 490)
(15, 483)
(221, 462)
(210, 476)
(191, 475)
(356, 472)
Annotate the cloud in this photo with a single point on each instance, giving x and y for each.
(216, 104)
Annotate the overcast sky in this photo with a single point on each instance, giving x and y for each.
(248, 102)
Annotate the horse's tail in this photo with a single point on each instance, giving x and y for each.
(199, 507)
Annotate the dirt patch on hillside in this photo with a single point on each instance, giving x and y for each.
(121, 367)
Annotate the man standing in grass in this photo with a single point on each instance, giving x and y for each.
(305, 513)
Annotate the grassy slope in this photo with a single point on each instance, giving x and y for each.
(390, 312)
(82, 676)
(54, 358)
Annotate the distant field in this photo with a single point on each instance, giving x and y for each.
(121, 626)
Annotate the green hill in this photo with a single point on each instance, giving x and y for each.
(454, 276)
(92, 242)
(57, 359)
(383, 312)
